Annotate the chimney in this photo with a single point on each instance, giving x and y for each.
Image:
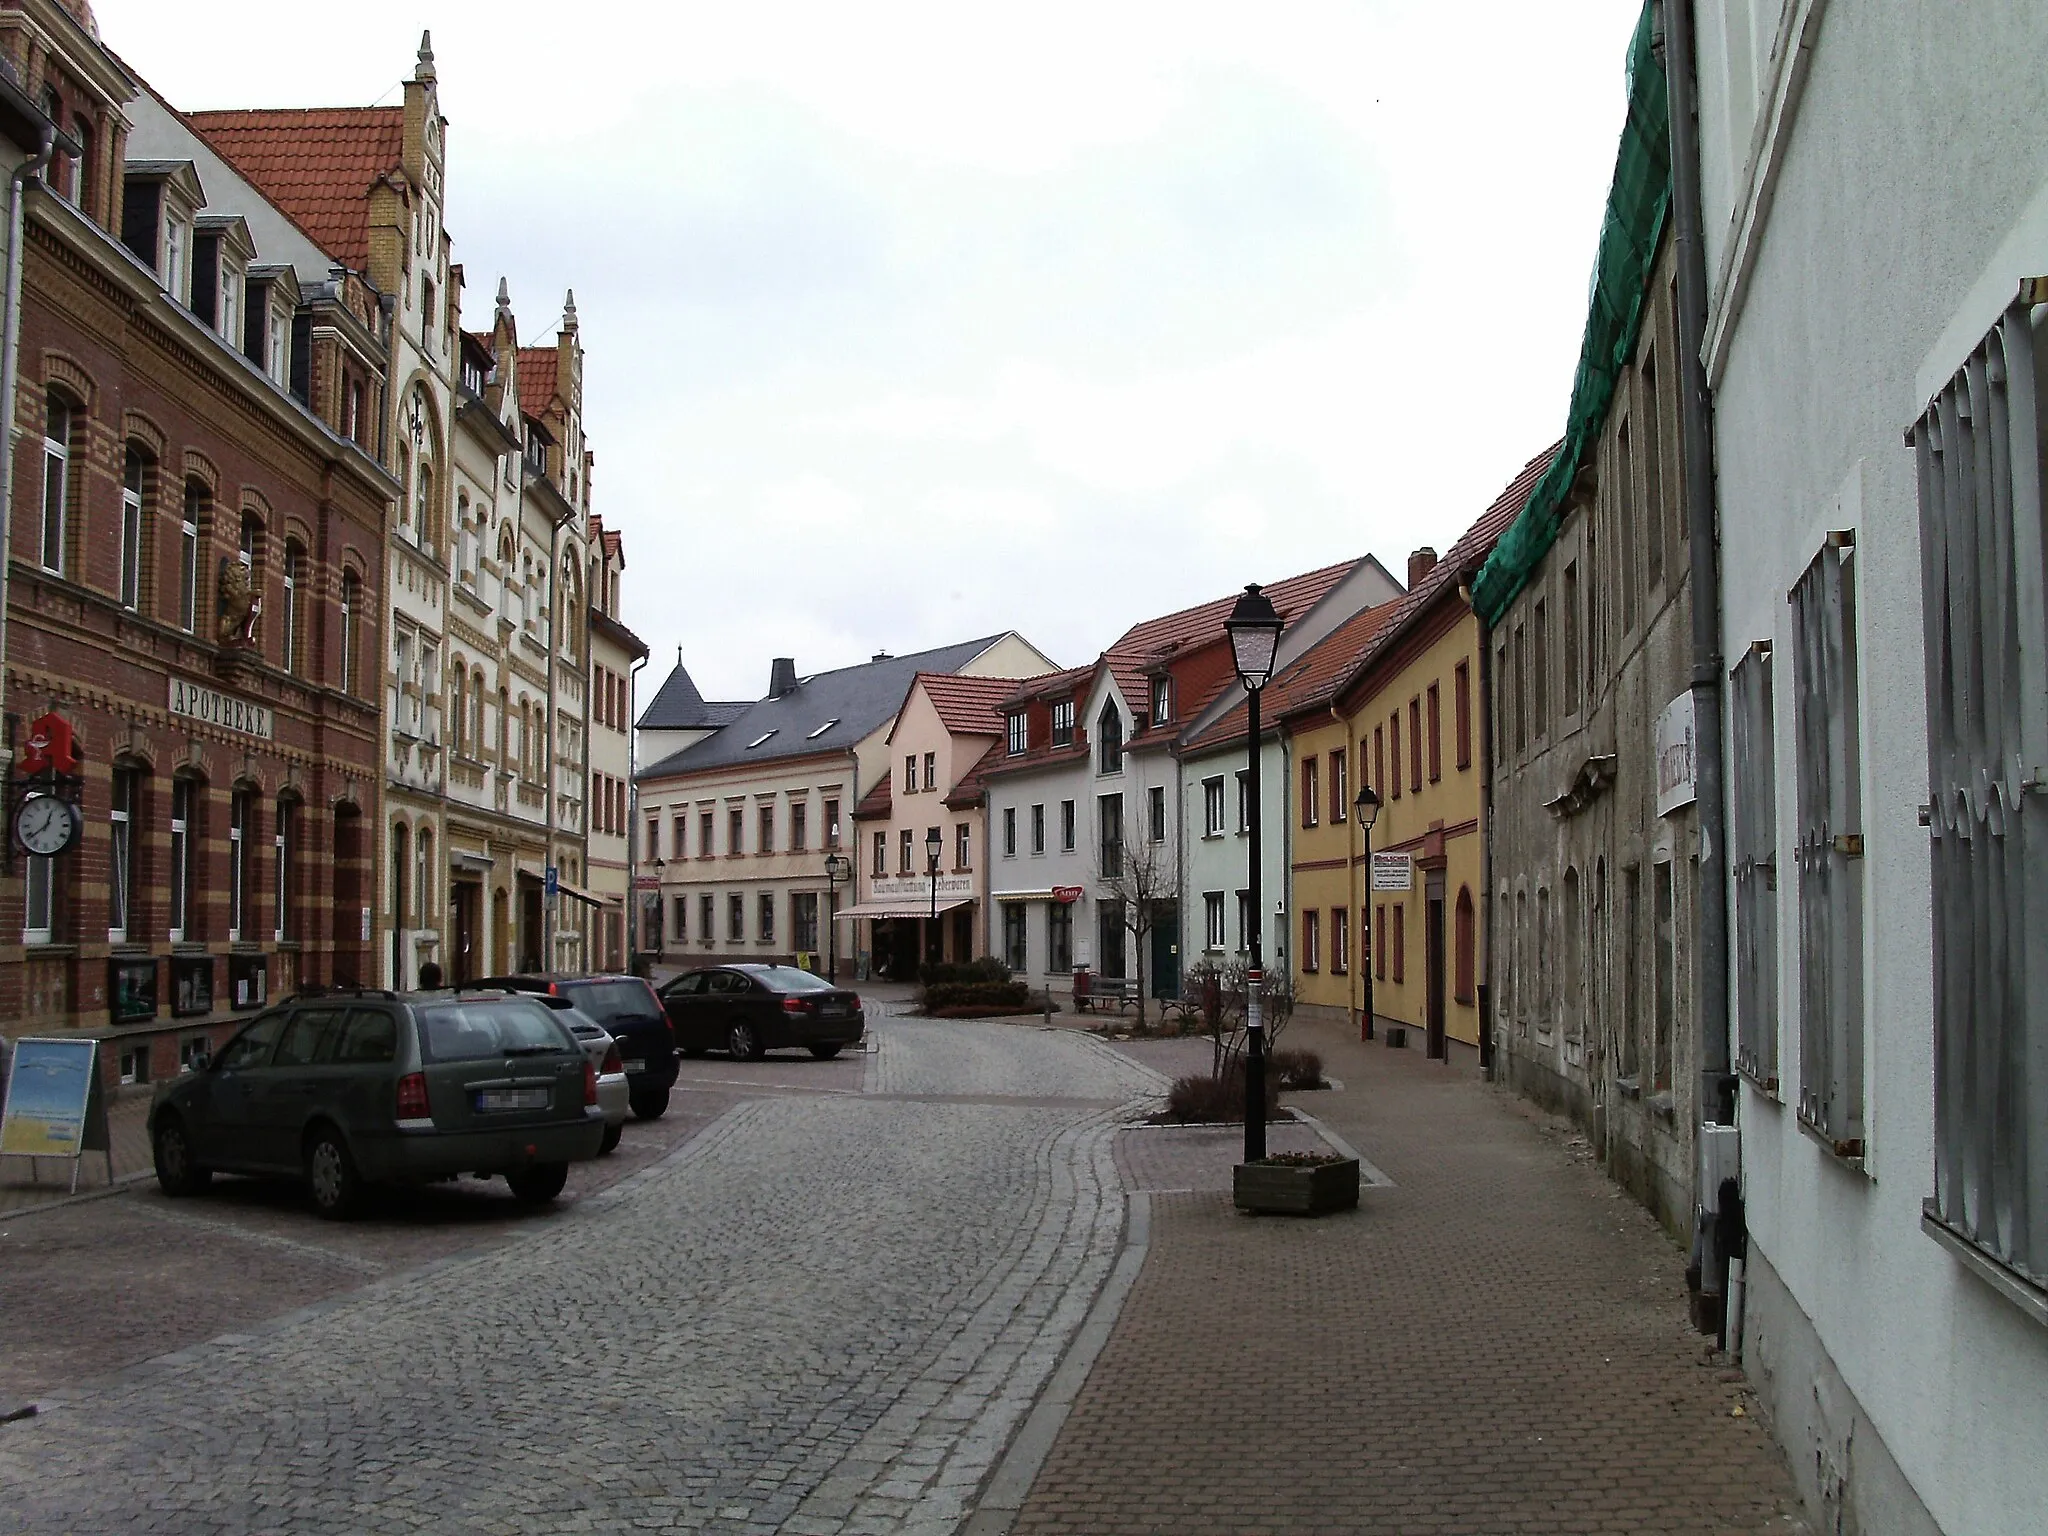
(781, 676)
(882, 656)
(1420, 564)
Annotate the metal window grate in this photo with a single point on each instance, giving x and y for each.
(1755, 862)
(1979, 450)
(1830, 847)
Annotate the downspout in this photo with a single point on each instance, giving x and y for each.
(10, 364)
(1717, 1231)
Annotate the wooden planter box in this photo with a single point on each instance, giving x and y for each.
(1296, 1191)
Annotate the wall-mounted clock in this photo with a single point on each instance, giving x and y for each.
(45, 825)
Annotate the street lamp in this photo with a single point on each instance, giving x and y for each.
(1367, 807)
(1254, 630)
(838, 867)
(934, 841)
(660, 918)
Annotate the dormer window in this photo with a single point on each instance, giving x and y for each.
(427, 326)
(77, 184)
(1017, 734)
(229, 311)
(472, 376)
(277, 345)
(1162, 700)
(1063, 723)
(177, 246)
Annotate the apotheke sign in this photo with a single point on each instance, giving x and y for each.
(208, 707)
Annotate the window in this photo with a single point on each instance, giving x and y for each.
(1653, 479)
(803, 921)
(963, 846)
(131, 528)
(766, 817)
(1244, 801)
(1311, 790)
(1063, 723)
(1665, 1007)
(1461, 708)
(736, 831)
(1434, 714)
(679, 918)
(1340, 785)
(294, 570)
(1245, 926)
(121, 853)
(767, 917)
(1340, 941)
(1109, 740)
(175, 245)
(799, 826)
(707, 906)
(1212, 806)
(1379, 759)
(1038, 829)
(881, 866)
(182, 829)
(281, 844)
(240, 833)
(1066, 826)
(1155, 813)
(352, 412)
(277, 347)
(706, 823)
(1754, 858)
(831, 823)
(1311, 939)
(1982, 612)
(904, 839)
(910, 773)
(1009, 831)
(1830, 848)
(56, 479)
(1521, 693)
(1394, 739)
(1014, 916)
(1016, 726)
(1465, 948)
(1059, 937)
(1378, 940)
(654, 836)
(1109, 818)
(1399, 942)
(1162, 700)
(78, 166)
(1415, 745)
(458, 715)
(188, 558)
(1212, 920)
(351, 605)
(931, 770)
(736, 918)
(1570, 622)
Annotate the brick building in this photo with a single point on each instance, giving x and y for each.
(194, 574)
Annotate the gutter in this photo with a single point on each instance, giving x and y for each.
(10, 365)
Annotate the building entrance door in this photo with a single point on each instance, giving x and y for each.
(1166, 949)
(466, 900)
(529, 923)
(1433, 963)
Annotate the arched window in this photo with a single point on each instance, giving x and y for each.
(187, 807)
(294, 574)
(401, 884)
(1109, 739)
(241, 832)
(124, 814)
(57, 428)
(134, 482)
(190, 525)
(404, 488)
(249, 551)
(423, 505)
(1464, 947)
(423, 879)
(504, 729)
(351, 606)
(284, 854)
(465, 539)
(526, 753)
(458, 715)
(1573, 1007)
(78, 172)
(1545, 977)
(476, 713)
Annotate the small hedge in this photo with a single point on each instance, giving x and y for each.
(1295, 1070)
(1205, 1099)
(987, 969)
(1006, 996)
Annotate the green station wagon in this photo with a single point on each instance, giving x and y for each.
(351, 1089)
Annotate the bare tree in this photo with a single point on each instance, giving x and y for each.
(1139, 876)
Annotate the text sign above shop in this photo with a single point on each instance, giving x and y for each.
(211, 707)
(919, 888)
(1393, 871)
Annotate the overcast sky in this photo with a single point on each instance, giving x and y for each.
(907, 324)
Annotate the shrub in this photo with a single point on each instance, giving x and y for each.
(1002, 996)
(1295, 1070)
(987, 969)
(1206, 1098)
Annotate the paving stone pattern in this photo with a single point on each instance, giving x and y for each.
(825, 1314)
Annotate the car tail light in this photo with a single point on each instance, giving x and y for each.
(554, 989)
(412, 1097)
(589, 1084)
(853, 1001)
(795, 1005)
(613, 1061)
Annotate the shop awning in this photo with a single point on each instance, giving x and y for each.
(588, 898)
(902, 908)
(1047, 894)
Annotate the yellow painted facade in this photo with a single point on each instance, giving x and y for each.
(1326, 877)
(1411, 725)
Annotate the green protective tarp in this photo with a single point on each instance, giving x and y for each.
(1637, 204)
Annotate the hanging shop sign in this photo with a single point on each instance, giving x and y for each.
(1393, 871)
(1067, 895)
(209, 706)
(1677, 764)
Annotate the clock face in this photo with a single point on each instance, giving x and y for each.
(45, 825)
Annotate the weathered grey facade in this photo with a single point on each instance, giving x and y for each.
(1592, 937)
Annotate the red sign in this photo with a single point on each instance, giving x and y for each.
(49, 746)
(1067, 893)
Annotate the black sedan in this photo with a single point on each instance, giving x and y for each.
(630, 1013)
(748, 1010)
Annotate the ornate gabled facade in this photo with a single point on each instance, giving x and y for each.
(615, 653)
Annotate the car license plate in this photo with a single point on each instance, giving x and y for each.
(491, 1099)
(636, 1066)
(834, 1010)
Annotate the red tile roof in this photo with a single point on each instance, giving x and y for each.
(317, 163)
(874, 805)
(1311, 680)
(967, 706)
(537, 370)
(973, 785)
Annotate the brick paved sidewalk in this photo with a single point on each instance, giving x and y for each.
(1498, 1343)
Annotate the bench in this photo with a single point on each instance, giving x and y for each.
(1187, 1009)
(1104, 992)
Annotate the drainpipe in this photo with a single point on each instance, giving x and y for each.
(10, 364)
(1712, 1241)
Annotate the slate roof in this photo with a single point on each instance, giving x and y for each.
(1309, 682)
(826, 712)
(678, 706)
(538, 368)
(316, 163)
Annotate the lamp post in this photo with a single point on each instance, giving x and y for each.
(838, 867)
(660, 917)
(1254, 630)
(934, 842)
(1367, 808)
